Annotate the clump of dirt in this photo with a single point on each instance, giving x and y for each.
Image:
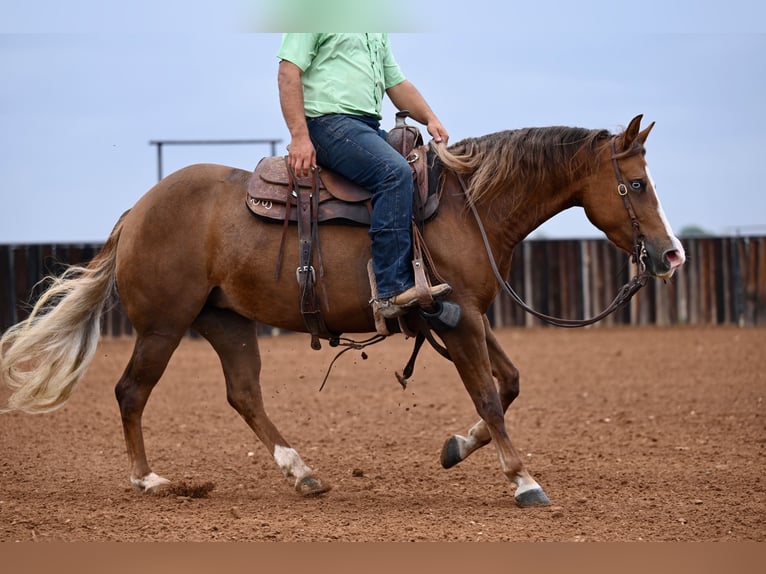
(188, 490)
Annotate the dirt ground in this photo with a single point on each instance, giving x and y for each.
(653, 434)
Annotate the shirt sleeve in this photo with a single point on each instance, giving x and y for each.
(298, 48)
(392, 74)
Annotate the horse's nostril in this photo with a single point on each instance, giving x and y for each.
(673, 258)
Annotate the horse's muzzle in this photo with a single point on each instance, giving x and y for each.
(662, 261)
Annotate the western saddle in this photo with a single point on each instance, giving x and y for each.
(276, 194)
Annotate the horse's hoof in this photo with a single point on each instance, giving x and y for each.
(310, 486)
(152, 483)
(451, 452)
(531, 498)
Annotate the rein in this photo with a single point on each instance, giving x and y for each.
(625, 293)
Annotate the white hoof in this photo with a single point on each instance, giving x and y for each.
(149, 483)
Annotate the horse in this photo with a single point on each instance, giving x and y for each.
(189, 255)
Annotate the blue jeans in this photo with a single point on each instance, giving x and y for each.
(355, 147)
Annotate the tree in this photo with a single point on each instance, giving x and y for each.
(694, 231)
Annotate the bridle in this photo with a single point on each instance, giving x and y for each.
(639, 249)
(624, 295)
(638, 253)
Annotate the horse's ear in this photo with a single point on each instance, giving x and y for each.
(645, 133)
(632, 131)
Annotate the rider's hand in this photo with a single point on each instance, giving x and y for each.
(301, 156)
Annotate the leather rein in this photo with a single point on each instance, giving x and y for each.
(623, 296)
(638, 254)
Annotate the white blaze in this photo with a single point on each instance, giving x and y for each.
(676, 243)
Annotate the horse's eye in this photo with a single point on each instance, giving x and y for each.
(637, 184)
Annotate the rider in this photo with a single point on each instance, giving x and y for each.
(331, 90)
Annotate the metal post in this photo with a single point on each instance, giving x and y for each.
(159, 160)
(159, 143)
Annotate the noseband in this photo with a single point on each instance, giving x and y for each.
(638, 255)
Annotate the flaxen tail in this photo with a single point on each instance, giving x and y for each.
(44, 357)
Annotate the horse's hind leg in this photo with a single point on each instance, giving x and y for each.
(151, 354)
(491, 404)
(234, 339)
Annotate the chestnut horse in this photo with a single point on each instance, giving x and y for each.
(190, 255)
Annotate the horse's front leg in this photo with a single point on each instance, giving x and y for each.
(477, 356)
(458, 447)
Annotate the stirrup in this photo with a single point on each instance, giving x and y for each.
(445, 316)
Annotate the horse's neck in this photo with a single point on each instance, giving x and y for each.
(506, 226)
(533, 214)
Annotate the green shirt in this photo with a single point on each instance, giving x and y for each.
(342, 73)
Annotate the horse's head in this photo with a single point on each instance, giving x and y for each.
(622, 201)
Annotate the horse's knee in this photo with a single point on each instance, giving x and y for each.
(491, 411)
(506, 374)
(242, 401)
(508, 387)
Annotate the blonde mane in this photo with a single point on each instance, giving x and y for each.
(518, 162)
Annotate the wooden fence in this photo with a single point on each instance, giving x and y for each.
(723, 282)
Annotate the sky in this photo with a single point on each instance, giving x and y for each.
(86, 85)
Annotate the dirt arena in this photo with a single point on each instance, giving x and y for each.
(653, 434)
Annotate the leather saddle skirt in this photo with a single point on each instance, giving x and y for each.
(341, 201)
